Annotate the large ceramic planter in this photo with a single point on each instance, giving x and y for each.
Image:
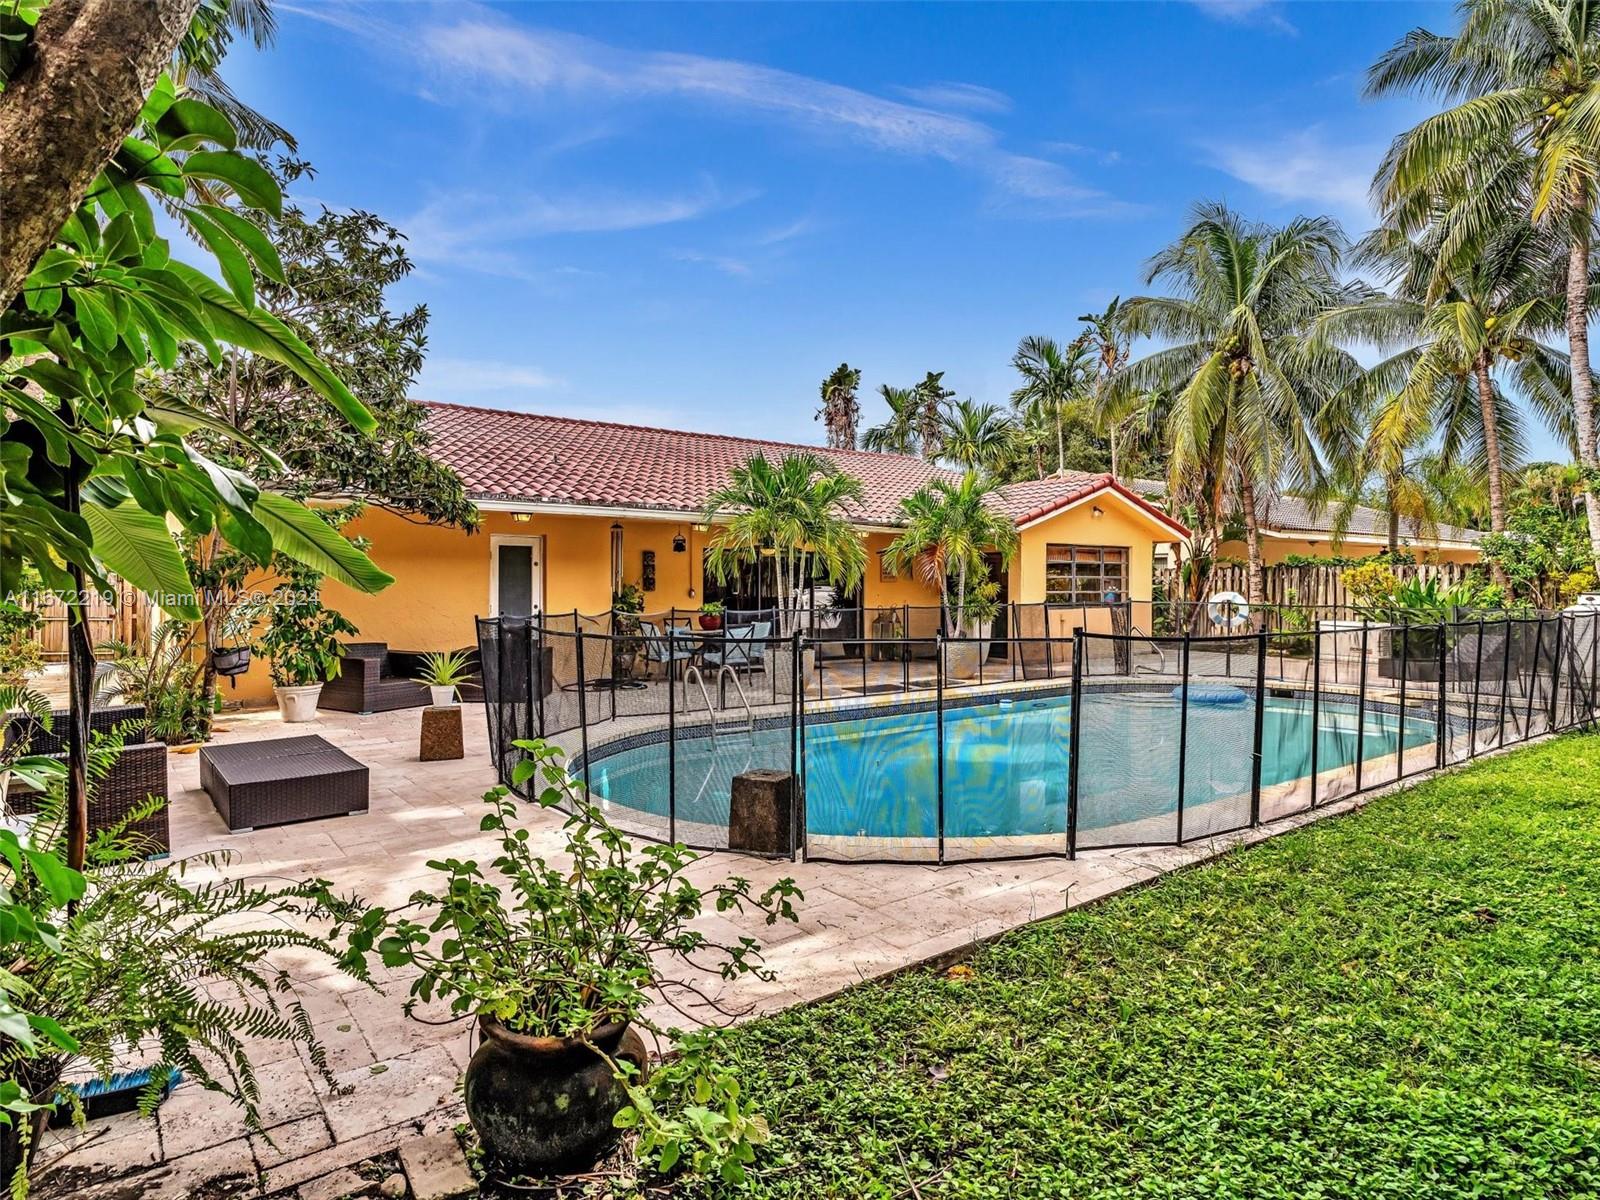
(298, 703)
(543, 1102)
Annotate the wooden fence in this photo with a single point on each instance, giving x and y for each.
(1312, 587)
(125, 617)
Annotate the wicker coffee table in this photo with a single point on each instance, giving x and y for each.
(286, 779)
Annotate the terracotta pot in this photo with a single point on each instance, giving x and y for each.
(543, 1102)
(710, 621)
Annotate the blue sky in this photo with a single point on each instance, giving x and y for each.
(687, 215)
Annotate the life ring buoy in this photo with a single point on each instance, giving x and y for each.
(1228, 610)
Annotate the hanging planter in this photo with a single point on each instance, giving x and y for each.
(230, 660)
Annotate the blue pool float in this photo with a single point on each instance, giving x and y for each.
(1216, 696)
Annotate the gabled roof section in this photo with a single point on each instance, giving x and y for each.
(1039, 499)
(566, 461)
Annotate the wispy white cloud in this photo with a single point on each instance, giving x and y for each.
(481, 57)
(970, 97)
(1304, 167)
(489, 233)
(1266, 13)
(725, 263)
(462, 378)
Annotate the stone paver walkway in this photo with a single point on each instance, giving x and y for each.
(396, 1076)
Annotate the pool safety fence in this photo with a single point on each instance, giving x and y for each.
(1073, 729)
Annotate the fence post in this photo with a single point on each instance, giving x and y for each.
(1555, 676)
(537, 689)
(583, 709)
(1505, 683)
(1183, 733)
(1533, 676)
(672, 747)
(1260, 730)
(1316, 703)
(1400, 731)
(1361, 706)
(1441, 728)
(796, 718)
(1074, 743)
(938, 737)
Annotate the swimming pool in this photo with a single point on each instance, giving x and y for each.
(1005, 764)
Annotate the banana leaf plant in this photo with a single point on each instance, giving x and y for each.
(96, 476)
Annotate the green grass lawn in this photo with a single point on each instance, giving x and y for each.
(1401, 1002)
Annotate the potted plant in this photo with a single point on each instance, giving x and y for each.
(627, 642)
(711, 615)
(442, 672)
(558, 963)
(302, 643)
(230, 655)
(979, 606)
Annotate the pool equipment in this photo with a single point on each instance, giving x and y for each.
(1228, 610)
(1212, 695)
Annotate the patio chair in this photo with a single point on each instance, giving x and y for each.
(660, 650)
(744, 648)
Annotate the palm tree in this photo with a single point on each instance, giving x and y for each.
(1453, 333)
(977, 436)
(796, 510)
(1107, 341)
(1052, 386)
(840, 413)
(1523, 79)
(1254, 401)
(948, 527)
(897, 435)
(932, 401)
(917, 418)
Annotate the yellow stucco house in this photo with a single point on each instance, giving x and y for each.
(570, 508)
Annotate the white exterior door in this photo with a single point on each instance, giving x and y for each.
(516, 576)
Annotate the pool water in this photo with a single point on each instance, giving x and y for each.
(1005, 763)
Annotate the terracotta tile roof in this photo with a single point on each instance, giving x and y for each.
(504, 455)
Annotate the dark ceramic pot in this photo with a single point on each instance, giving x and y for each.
(710, 621)
(543, 1102)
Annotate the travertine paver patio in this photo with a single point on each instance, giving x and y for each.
(395, 1076)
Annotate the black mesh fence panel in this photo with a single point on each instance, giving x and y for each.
(1128, 736)
(1219, 719)
(872, 774)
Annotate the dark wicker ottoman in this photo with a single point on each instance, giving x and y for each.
(287, 779)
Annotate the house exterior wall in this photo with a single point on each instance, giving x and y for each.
(442, 575)
(1276, 549)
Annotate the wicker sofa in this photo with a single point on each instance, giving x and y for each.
(373, 678)
(139, 772)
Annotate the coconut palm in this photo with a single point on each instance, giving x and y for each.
(1054, 379)
(947, 529)
(977, 436)
(797, 510)
(1454, 334)
(840, 413)
(1254, 402)
(1523, 81)
(1121, 417)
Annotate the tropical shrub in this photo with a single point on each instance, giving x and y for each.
(1544, 554)
(561, 949)
(167, 680)
(130, 953)
(302, 634)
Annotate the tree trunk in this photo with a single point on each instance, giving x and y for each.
(65, 113)
(1582, 381)
(1491, 454)
(1115, 473)
(1394, 525)
(1257, 587)
(80, 684)
(1061, 447)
